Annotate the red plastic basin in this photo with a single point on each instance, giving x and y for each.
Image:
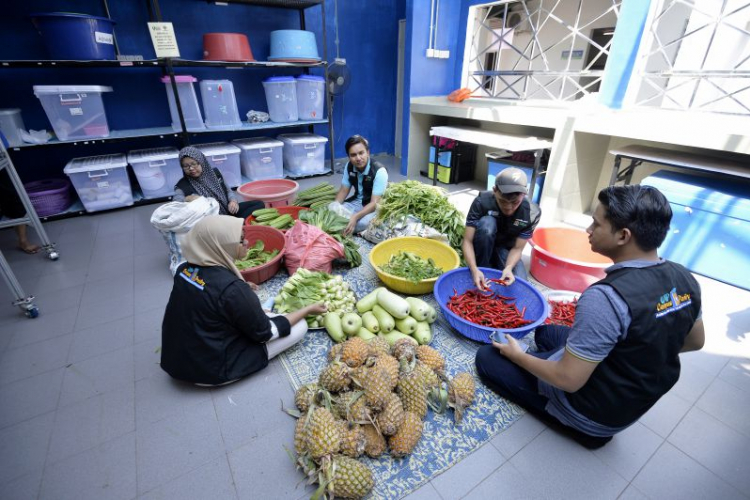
(272, 239)
(291, 210)
(272, 192)
(561, 258)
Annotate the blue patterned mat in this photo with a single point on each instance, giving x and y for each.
(443, 444)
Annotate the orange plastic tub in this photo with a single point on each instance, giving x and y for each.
(272, 239)
(561, 258)
(273, 192)
(291, 210)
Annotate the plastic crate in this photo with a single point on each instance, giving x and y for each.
(219, 104)
(74, 111)
(261, 158)
(101, 182)
(226, 158)
(304, 154)
(157, 170)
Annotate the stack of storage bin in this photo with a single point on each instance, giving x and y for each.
(101, 182)
(304, 154)
(157, 170)
(226, 158)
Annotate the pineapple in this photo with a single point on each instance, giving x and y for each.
(404, 348)
(359, 375)
(392, 416)
(374, 441)
(335, 377)
(304, 396)
(412, 391)
(390, 364)
(351, 406)
(431, 357)
(379, 346)
(428, 375)
(354, 352)
(461, 393)
(322, 435)
(403, 442)
(335, 352)
(352, 439)
(299, 435)
(377, 388)
(351, 478)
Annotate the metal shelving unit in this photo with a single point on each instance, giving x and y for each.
(167, 66)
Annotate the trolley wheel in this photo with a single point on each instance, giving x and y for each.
(32, 311)
(53, 255)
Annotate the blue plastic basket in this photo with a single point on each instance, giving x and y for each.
(526, 295)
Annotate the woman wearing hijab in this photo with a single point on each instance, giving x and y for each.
(201, 179)
(214, 330)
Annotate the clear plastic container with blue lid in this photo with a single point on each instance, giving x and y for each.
(281, 98)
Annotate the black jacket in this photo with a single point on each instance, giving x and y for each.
(367, 181)
(214, 328)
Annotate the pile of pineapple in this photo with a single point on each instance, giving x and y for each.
(370, 398)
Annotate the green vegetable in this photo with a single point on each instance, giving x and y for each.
(333, 224)
(395, 305)
(255, 257)
(428, 203)
(365, 334)
(264, 211)
(433, 314)
(332, 322)
(323, 192)
(351, 323)
(365, 303)
(385, 320)
(370, 322)
(420, 310)
(423, 333)
(412, 267)
(407, 325)
(396, 335)
(308, 287)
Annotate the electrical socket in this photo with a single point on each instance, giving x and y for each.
(431, 53)
(444, 54)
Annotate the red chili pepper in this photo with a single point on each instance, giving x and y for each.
(563, 313)
(487, 309)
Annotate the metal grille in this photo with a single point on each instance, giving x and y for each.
(695, 56)
(539, 49)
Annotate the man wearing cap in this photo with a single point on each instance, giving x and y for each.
(497, 227)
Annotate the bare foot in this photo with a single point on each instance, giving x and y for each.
(29, 248)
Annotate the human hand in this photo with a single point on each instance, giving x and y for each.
(252, 286)
(319, 308)
(233, 207)
(511, 349)
(349, 229)
(479, 281)
(191, 197)
(508, 278)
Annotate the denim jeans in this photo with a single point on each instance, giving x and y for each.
(356, 206)
(487, 254)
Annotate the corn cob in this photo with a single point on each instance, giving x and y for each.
(264, 211)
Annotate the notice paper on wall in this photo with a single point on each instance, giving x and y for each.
(163, 39)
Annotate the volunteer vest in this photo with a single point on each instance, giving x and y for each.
(664, 302)
(367, 181)
(509, 227)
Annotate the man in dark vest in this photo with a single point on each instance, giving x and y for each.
(621, 355)
(498, 225)
(368, 178)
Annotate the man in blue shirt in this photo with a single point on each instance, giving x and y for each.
(621, 355)
(368, 178)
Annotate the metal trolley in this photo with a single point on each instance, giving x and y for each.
(25, 302)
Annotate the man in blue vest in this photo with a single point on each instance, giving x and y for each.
(498, 225)
(621, 355)
(368, 178)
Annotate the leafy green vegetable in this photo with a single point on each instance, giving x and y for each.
(412, 267)
(308, 287)
(255, 257)
(334, 224)
(428, 203)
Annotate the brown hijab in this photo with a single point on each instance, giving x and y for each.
(214, 241)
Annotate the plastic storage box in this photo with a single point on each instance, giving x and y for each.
(101, 182)
(304, 154)
(456, 164)
(281, 98)
(188, 100)
(219, 104)
(261, 158)
(710, 224)
(226, 158)
(311, 91)
(11, 125)
(157, 170)
(76, 36)
(74, 111)
(496, 164)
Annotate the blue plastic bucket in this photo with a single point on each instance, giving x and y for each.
(76, 36)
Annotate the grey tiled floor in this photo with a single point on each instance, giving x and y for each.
(86, 413)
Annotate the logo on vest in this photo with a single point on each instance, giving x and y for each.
(672, 302)
(519, 222)
(190, 275)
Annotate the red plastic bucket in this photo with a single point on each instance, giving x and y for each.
(561, 258)
(273, 192)
(226, 47)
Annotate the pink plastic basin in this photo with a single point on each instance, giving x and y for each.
(273, 192)
(561, 258)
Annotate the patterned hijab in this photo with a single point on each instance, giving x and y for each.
(207, 184)
(214, 241)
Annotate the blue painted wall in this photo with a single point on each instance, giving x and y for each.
(368, 33)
